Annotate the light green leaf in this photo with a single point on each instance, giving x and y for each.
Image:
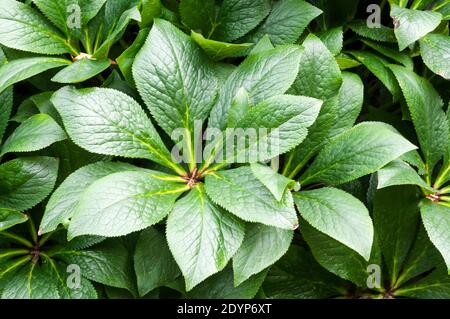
(179, 89)
(263, 45)
(202, 237)
(81, 70)
(378, 66)
(262, 247)
(400, 173)
(150, 9)
(425, 106)
(153, 261)
(241, 193)
(319, 75)
(333, 39)
(23, 28)
(64, 200)
(10, 218)
(436, 219)
(238, 17)
(346, 62)
(36, 133)
(435, 52)
(275, 183)
(24, 182)
(263, 75)
(286, 22)
(124, 202)
(109, 122)
(362, 150)
(22, 69)
(219, 50)
(338, 215)
(239, 107)
(126, 59)
(411, 25)
(400, 57)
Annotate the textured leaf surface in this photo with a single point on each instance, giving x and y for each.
(201, 236)
(425, 106)
(124, 202)
(153, 261)
(81, 70)
(286, 22)
(262, 247)
(22, 69)
(117, 125)
(339, 215)
(333, 39)
(241, 193)
(262, 75)
(400, 57)
(23, 28)
(63, 202)
(382, 34)
(275, 183)
(36, 133)
(174, 78)
(198, 15)
(400, 173)
(217, 50)
(434, 286)
(357, 152)
(24, 182)
(436, 219)
(412, 24)
(435, 52)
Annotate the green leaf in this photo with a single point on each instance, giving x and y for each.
(153, 261)
(61, 12)
(85, 290)
(319, 75)
(179, 89)
(338, 215)
(33, 281)
(36, 133)
(261, 248)
(202, 237)
(239, 107)
(346, 62)
(150, 9)
(24, 182)
(23, 28)
(436, 219)
(334, 256)
(126, 59)
(286, 22)
(241, 193)
(262, 75)
(411, 25)
(64, 200)
(81, 70)
(6, 104)
(219, 50)
(108, 263)
(400, 57)
(396, 217)
(434, 286)
(435, 52)
(382, 34)
(276, 183)
(106, 121)
(10, 218)
(271, 128)
(333, 39)
(352, 154)
(425, 106)
(298, 276)
(400, 173)
(198, 15)
(22, 69)
(238, 17)
(378, 66)
(262, 45)
(124, 202)
(220, 286)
